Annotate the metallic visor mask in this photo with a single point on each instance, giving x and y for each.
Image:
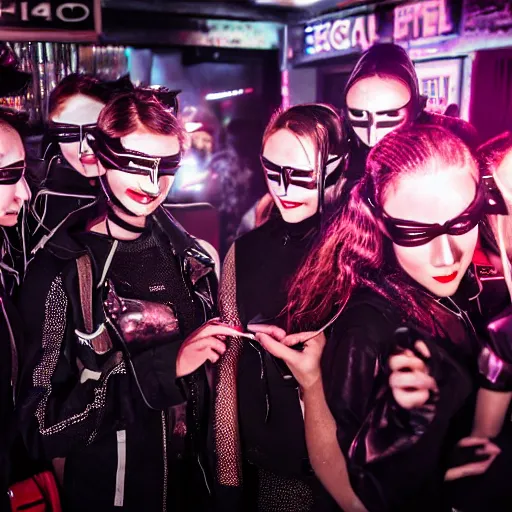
(69, 133)
(11, 174)
(113, 155)
(408, 233)
(286, 176)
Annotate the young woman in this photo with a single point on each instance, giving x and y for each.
(258, 410)
(114, 308)
(70, 179)
(397, 257)
(14, 193)
(381, 95)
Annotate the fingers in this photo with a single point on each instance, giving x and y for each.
(489, 449)
(271, 330)
(407, 361)
(210, 343)
(413, 380)
(472, 441)
(410, 399)
(215, 329)
(276, 348)
(473, 469)
(302, 337)
(422, 348)
(212, 356)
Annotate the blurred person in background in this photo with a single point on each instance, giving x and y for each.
(70, 178)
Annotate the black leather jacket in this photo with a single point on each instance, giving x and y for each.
(88, 408)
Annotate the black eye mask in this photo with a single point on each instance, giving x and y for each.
(408, 233)
(11, 174)
(287, 176)
(495, 204)
(113, 155)
(68, 133)
(372, 118)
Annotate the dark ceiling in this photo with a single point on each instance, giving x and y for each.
(256, 10)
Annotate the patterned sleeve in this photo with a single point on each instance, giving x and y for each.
(228, 465)
(60, 408)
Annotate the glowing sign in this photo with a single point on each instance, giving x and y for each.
(341, 35)
(423, 19)
(227, 94)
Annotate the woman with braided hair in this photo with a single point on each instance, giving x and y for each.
(394, 267)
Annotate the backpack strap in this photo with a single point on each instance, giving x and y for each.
(98, 340)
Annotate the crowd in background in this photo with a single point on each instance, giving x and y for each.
(351, 348)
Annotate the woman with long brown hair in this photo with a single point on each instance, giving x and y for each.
(397, 257)
(116, 310)
(259, 432)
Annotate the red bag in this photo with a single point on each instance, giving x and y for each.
(38, 493)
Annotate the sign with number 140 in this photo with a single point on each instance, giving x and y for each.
(47, 15)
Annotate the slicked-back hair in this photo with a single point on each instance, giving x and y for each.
(130, 111)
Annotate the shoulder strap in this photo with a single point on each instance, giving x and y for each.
(83, 264)
(99, 339)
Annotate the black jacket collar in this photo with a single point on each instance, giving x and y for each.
(66, 245)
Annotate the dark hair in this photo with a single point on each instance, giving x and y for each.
(391, 61)
(73, 84)
(493, 152)
(490, 156)
(127, 112)
(452, 110)
(353, 251)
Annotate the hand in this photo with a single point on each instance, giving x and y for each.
(410, 381)
(304, 364)
(202, 345)
(478, 467)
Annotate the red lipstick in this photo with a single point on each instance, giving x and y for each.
(288, 205)
(446, 279)
(88, 159)
(140, 197)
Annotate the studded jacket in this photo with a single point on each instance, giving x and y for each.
(90, 406)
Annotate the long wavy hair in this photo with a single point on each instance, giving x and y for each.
(354, 252)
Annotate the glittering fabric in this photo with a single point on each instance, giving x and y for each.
(53, 334)
(279, 494)
(227, 438)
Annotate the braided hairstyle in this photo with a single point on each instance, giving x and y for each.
(353, 251)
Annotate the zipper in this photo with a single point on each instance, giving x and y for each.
(204, 475)
(14, 352)
(166, 466)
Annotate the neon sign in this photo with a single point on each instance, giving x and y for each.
(341, 35)
(421, 20)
